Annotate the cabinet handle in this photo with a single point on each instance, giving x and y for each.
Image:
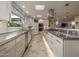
(58, 41)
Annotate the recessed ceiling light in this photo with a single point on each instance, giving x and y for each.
(73, 23)
(39, 7)
(23, 6)
(27, 12)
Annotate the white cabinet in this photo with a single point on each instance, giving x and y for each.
(15, 47)
(55, 43)
(20, 45)
(8, 49)
(71, 48)
(11, 52)
(58, 47)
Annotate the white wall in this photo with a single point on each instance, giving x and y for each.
(5, 9)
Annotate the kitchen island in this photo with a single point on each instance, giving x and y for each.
(63, 42)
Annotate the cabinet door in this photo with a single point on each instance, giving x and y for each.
(50, 41)
(56, 44)
(6, 48)
(11, 52)
(58, 47)
(20, 45)
(71, 48)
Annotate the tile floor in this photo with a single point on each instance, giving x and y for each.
(37, 48)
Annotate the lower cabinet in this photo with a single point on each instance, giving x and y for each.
(8, 49)
(58, 47)
(11, 52)
(55, 43)
(63, 47)
(14, 48)
(71, 48)
(20, 45)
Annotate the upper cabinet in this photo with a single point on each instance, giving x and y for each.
(5, 9)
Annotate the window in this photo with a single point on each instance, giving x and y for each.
(17, 18)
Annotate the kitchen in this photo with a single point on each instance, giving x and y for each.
(52, 27)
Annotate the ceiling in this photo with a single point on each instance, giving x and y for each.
(58, 6)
